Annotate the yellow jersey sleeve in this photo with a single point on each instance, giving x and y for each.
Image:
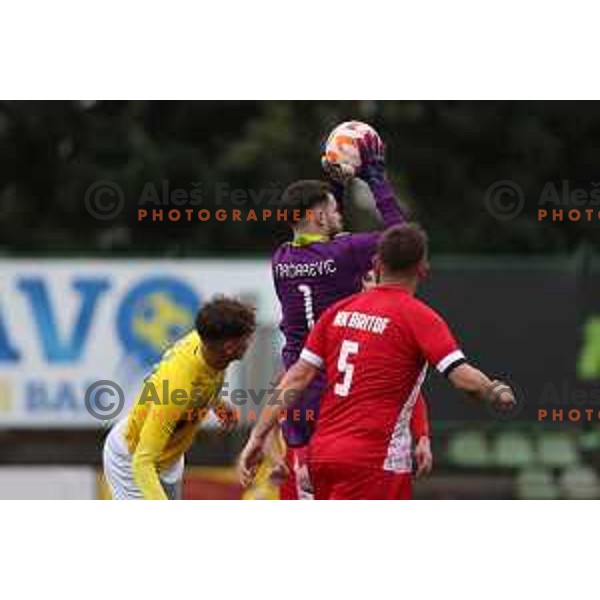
(154, 437)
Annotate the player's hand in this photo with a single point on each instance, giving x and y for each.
(279, 473)
(227, 418)
(372, 158)
(303, 479)
(249, 460)
(501, 395)
(369, 281)
(501, 398)
(338, 175)
(423, 456)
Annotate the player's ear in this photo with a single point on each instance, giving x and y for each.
(423, 269)
(377, 268)
(232, 347)
(319, 215)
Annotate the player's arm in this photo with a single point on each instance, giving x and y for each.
(154, 436)
(225, 413)
(275, 447)
(275, 451)
(477, 384)
(419, 422)
(372, 171)
(420, 431)
(293, 382)
(436, 342)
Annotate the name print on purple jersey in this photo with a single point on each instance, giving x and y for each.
(314, 269)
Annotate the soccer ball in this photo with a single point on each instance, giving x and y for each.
(342, 156)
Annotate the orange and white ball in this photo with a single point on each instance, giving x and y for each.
(341, 147)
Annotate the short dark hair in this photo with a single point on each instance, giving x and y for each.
(304, 194)
(225, 318)
(402, 247)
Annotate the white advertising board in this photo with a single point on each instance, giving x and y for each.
(65, 324)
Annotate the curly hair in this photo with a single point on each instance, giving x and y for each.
(225, 318)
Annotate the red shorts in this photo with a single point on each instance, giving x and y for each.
(347, 482)
(290, 488)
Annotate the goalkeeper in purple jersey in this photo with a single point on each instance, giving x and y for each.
(320, 266)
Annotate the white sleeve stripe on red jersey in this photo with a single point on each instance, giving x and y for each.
(310, 357)
(449, 359)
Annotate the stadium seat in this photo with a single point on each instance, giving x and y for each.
(469, 449)
(589, 441)
(513, 449)
(536, 484)
(557, 449)
(579, 483)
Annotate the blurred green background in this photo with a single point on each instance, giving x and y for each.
(442, 157)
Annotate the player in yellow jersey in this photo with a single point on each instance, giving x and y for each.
(144, 453)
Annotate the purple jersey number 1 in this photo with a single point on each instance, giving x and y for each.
(309, 311)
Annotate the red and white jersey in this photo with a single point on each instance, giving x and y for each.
(375, 347)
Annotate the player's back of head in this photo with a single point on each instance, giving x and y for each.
(304, 194)
(402, 249)
(314, 201)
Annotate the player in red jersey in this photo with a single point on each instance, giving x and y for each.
(375, 347)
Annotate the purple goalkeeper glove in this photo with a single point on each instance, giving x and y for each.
(372, 157)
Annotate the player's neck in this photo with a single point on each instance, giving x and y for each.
(308, 234)
(408, 284)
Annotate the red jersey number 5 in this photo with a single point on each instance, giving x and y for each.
(348, 348)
